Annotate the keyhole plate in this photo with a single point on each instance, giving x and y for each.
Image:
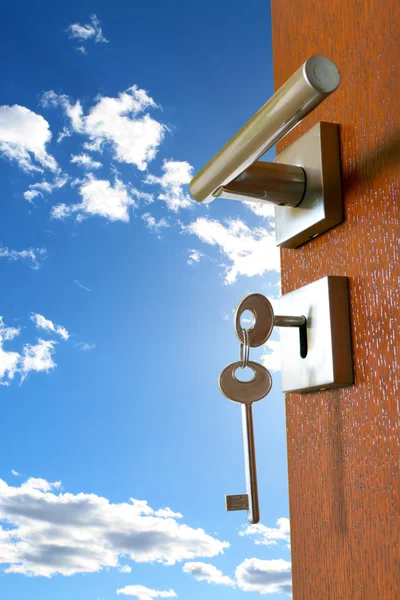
(328, 363)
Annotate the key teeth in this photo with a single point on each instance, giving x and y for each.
(236, 502)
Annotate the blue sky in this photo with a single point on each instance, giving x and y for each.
(117, 305)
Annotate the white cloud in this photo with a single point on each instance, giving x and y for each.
(84, 346)
(45, 187)
(264, 576)
(99, 197)
(252, 575)
(133, 136)
(82, 50)
(125, 569)
(14, 472)
(266, 210)
(249, 251)
(153, 224)
(143, 593)
(194, 257)
(269, 536)
(143, 196)
(63, 134)
(50, 532)
(167, 513)
(135, 139)
(9, 361)
(271, 358)
(37, 357)
(85, 161)
(177, 174)
(47, 325)
(34, 255)
(31, 195)
(24, 136)
(73, 111)
(83, 287)
(88, 31)
(206, 572)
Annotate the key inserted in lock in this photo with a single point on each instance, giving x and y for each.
(265, 320)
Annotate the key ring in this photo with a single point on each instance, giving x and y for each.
(244, 349)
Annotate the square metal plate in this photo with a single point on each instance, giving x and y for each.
(328, 363)
(317, 151)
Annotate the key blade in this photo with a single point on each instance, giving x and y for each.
(237, 502)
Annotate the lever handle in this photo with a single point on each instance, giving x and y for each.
(309, 86)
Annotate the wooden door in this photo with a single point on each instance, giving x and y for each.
(343, 445)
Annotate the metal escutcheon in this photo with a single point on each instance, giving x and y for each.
(263, 313)
(245, 392)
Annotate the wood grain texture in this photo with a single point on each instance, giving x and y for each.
(343, 445)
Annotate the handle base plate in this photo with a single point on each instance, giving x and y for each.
(317, 151)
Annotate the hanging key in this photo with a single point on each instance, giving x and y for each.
(246, 392)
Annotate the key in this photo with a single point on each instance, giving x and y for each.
(246, 392)
(265, 320)
(263, 313)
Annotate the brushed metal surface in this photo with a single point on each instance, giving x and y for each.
(302, 92)
(317, 151)
(328, 363)
(246, 392)
(263, 314)
(236, 502)
(283, 185)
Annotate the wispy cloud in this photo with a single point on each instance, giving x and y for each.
(85, 347)
(45, 187)
(65, 133)
(250, 252)
(144, 593)
(153, 224)
(88, 31)
(24, 136)
(15, 473)
(83, 287)
(194, 256)
(32, 255)
(205, 572)
(125, 569)
(85, 161)
(47, 325)
(43, 522)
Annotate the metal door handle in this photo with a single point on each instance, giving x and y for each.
(234, 171)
